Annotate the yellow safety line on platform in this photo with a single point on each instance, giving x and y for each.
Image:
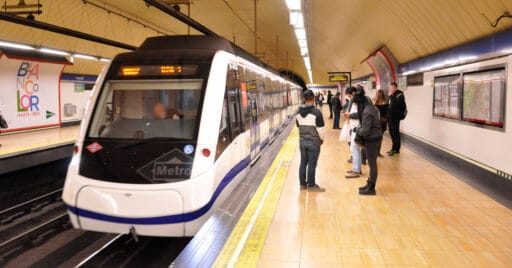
(244, 245)
(32, 148)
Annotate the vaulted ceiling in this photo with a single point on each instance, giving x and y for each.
(341, 33)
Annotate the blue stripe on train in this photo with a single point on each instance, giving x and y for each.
(180, 218)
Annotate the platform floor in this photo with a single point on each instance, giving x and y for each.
(421, 216)
(18, 143)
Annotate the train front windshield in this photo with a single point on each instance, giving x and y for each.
(147, 109)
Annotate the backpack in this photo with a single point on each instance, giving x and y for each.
(3, 123)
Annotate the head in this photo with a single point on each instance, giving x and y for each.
(392, 87)
(359, 97)
(159, 111)
(309, 97)
(329, 92)
(349, 92)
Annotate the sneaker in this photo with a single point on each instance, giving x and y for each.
(390, 151)
(350, 160)
(303, 186)
(393, 153)
(315, 188)
(380, 155)
(352, 174)
(364, 162)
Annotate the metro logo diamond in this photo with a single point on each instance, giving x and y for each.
(94, 147)
(171, 167)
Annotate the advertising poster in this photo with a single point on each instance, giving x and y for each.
(29, 97)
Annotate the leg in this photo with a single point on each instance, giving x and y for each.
(371, 151)
(303, 164)
(394, 132)
(356, 156)
(363, 156)
(313, 154)
(330, 110)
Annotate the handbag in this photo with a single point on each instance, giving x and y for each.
(345, 132)
(359, 140)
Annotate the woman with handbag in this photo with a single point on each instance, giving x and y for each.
(381, 102)
(368, 135)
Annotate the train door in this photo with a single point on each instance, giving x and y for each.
(252, 102)
(234, 110)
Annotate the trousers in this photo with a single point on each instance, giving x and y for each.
(394, 132)
(309, 154)
(372, 151)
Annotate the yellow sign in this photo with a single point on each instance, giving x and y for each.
(339, 77)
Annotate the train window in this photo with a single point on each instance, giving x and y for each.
(147, 109)
(224, 133)
(447, 95)
(484, 97)
(233, 91)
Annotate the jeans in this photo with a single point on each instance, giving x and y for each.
(372, 150)
(336, 121)
(355, 149)
(309, 154)
(394, 132)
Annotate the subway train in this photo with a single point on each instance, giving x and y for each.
(169, 131)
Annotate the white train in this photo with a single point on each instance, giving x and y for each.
(169, 131)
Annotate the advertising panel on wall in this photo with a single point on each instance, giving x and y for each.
(29, 96)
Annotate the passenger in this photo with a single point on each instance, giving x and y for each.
(363, 150)
(353, 121)
(370, 131)
(160, 112)
(3, 122)
(381, 103)
(310, 123)
(320, 99)
(336, 108)
(329, 98)
(396, 113)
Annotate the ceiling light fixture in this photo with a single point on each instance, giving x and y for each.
(84, 56)
(298, 22)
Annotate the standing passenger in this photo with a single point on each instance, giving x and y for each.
(329, 98)
(371, 132)
(353, 121)
(3, 122)
(336, 108)
(381, 103)
(396, 113)
(311, 124)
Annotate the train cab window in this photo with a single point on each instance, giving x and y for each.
(147, 109)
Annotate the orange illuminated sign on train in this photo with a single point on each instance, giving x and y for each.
(157, 70)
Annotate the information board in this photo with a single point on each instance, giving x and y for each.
(29, 95)
(339, 77)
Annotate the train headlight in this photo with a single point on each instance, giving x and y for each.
(206, 152)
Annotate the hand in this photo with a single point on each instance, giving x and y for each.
(346, 115)
(354, 130)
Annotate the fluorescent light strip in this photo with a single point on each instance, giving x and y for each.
(54, 51)
(293, 4)
(83, 56)
(15, 45)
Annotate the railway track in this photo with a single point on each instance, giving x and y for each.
(31, 223)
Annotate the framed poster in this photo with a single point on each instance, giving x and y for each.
(30, 93)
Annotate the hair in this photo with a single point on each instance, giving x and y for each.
(393, 84)
(308, 95)
(379, 97)
(350, 90)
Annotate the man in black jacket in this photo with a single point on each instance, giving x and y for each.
(310, 123)
(329, 98)
(336, 108)
(395, 114)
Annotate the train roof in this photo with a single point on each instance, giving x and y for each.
(206, 44)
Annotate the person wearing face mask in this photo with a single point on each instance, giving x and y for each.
(370, 131)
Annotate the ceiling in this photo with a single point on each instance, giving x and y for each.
(341, 33)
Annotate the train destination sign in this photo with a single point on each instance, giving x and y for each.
(339, 77)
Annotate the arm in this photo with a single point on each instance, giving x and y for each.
(366, 126)
(320, 124)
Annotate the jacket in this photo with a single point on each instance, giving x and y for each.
(310, 123)
(370, 128)
(336, 103)
(396, 105)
